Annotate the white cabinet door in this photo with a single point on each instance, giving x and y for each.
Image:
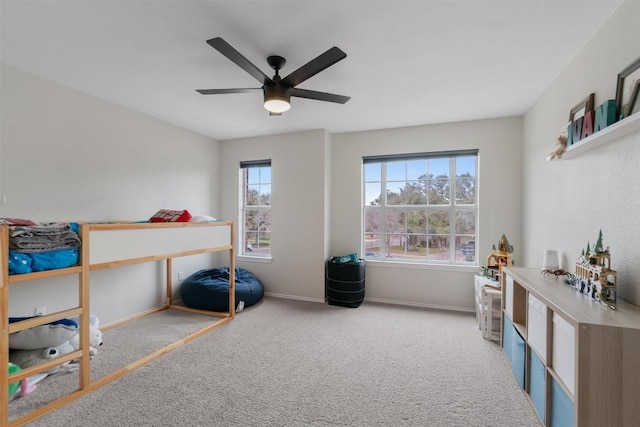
(509, 295)
(537, 327)
(563, 353)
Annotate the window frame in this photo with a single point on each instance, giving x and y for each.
(460, 246)
(248, 249)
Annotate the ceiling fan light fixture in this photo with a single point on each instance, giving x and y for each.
(277, 98)
(277, 105)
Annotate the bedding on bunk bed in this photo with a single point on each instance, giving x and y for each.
(168, 215)
(37, 247)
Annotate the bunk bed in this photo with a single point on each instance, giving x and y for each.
(109, 246)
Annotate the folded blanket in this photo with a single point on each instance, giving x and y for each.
(43, 237)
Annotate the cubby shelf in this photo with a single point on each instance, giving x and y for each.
(575, 358)
(620, 129)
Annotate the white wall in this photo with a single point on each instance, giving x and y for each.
(299, 180)
(66, 156)
(567, 202)
(303, 192)
(500, 152)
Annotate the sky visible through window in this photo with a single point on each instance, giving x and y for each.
(412, 170)
(259, 175)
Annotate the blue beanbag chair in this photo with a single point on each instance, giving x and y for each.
(209, 289)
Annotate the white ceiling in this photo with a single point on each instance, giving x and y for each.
(408, 62)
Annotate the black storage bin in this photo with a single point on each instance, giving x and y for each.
(344, 283)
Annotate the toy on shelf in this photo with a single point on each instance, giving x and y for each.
(499, 258)
(42, 343)
(594, 275)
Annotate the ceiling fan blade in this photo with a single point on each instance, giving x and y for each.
(314, 66)
(236, 57)
(320, 96)
(223, 91)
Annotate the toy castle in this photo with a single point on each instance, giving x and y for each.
(499, 258)
(595, 275)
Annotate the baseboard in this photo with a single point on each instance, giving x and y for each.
(128, 319)
(378, 300)
(295, 297)
(422, 305)
(131, 318)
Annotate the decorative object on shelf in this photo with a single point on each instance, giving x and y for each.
(627, 126)
(605, 115)
(551, 264)
(551, 260)
(561, 145)
(557, 272)
(634, 102)
(581, 120)
(585, 121)
(499, 258)
(484, 272)
(594, 275)
(627, 79)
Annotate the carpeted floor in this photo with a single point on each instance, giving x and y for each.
(296, 363)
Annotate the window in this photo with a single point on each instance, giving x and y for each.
(256, 208)
(421, 208)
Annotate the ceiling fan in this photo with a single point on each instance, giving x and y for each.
(278, 91)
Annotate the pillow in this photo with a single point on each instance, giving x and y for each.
(166, 215)
(202, 218)
(17, 221)
(49, 335)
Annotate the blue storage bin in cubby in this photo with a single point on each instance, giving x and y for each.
(507, 336)
(517, 356)
(537, 375)
(561, 407)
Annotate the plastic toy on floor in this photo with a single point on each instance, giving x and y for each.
(95, 337)
(24, 387)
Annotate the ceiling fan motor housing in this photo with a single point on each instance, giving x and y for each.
(276, 62)
(276, 97)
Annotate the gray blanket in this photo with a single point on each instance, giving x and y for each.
(43, 238)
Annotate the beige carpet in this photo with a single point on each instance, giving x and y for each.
(295, 363)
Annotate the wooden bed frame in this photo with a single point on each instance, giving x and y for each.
(102, 247)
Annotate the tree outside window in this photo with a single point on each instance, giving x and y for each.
(421, 208)
(256, 208)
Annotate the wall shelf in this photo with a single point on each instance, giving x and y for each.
(620, 129)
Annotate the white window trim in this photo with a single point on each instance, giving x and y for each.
(451, 263)
(246, 256)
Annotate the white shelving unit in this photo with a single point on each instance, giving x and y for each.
(620, 129)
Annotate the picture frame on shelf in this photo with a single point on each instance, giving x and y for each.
(581, 108)
(627, 80)
(634, 102)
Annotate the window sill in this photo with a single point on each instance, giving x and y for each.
(419, 266)
(248, 258)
